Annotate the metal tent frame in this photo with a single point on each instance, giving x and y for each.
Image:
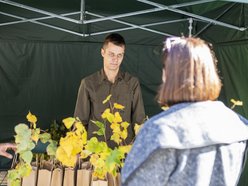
(116, 18)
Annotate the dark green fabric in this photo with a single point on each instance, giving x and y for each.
(233, 66)
(43, 77)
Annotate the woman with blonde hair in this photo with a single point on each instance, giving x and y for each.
(198, 141)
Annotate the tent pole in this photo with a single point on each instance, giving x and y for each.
(194, 15)
(39, 11)
(82, 11)
(190, 26)
(145, 25)
(29, 20)
(205, 27)
(133, 26)
(159, 8)
(50, 26)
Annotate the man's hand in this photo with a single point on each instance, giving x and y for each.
(4, 147)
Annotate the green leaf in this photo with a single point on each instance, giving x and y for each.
(100, 132)
(16, 182)
(95, 146)
(98, 123)
(31, 145)
(22, 146)
(113, 160)
(13, 174)
(27, 156)
(21, 128)
(45, 137)
(25, 170)
(52, 148)
(23, 133)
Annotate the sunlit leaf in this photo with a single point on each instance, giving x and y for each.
(31, 118)
(117, 118)
(21, 129)
(105, 113)
(124, 134)
(118, 106)
(237, 102)
(116, 138)
(85, 154)
(98, 123)
(67, 147)
(23, 133)
(125, 124)
(165, 107)
(125, 149)
(79, 126)
(52, 148)
(45, 137)
(66, 160)
(27, 156)
(116, 127)
(107, 99)
(25, 169)
(35, 135)
(113, 160)
(137, 128)
(84, 136)
(101, 131)
(68, 122)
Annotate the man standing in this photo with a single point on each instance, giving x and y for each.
(123, 87)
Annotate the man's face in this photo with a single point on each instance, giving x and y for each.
(112, 56)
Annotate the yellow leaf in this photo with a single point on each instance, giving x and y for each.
(125, 124)
(118, 106)
(165, 107)
(237, 102)
(105, 113)
(108, 115)
(116, 138)
(67, 147)
(68, 122)
(137, 128)
(117, 117)
(115, 127)
(84, 154)
(35, 136)
(79, 126)
(100, 163)
(84, 137)
(100, 174)
(107, 99)
(124, 134)
(31, 118)
(104, 155)
(94, 158)
(66, 160)
(125, 149)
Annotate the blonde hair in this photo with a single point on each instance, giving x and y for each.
(189, 73)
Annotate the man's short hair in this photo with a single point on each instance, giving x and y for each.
(114, 38)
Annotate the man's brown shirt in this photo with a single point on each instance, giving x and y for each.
(125, 91)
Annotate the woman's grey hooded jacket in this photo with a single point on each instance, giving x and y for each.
(190, 144)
